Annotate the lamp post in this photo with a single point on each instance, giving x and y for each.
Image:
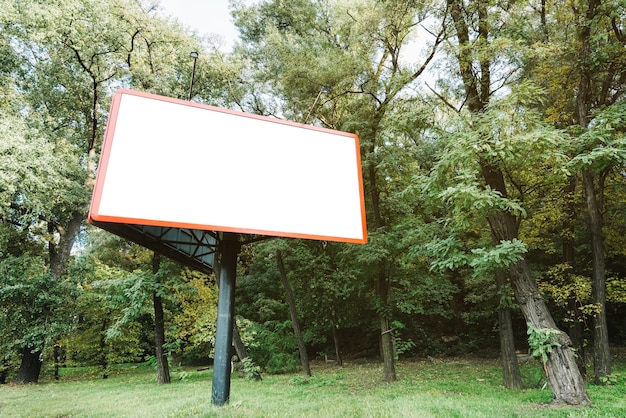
(193, 55)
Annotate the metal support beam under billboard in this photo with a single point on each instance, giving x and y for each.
(229, 249)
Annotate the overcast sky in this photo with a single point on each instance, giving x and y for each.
(205, 16)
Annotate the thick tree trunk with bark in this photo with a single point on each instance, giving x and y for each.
(386, 343)
(163, 368)
(563, 374)
(59, 253)
(304, 357)
(512, 378)
(30, 367)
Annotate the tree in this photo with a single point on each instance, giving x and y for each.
(475, 57)
(143, 280)
(43, 82)
(87, 342)
(32, 174)
(590, 79)
(163, 370)
(592, 92)
(29, 293)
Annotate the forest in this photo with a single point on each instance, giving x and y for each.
(493, 148)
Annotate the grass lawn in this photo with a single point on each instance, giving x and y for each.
(439, 388)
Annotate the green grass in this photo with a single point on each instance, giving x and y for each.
(443, 388)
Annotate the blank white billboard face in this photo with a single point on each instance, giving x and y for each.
(169, 162)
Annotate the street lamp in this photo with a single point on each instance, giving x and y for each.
(193, 55)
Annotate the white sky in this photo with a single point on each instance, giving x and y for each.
(206, 16)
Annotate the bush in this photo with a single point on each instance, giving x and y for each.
(271, 346)
(282, 363)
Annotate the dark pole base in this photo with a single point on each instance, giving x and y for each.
(229, 247)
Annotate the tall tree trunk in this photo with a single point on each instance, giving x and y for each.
(59, 253)
(512, 378)
(601, 350)
(163, 369)
(584, 102)
(386, 336)
(304, 357)
(379, 223)
(30, 367)
(576, 334)
(386, 341)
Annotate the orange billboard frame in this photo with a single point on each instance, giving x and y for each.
(171, 163)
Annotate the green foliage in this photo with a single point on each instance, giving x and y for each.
(30, 296)
(563, 287)
(196, 316)
(176, 372)
(38, 178)
(274, 348)
(616, 290)
(603, 145)
(509, 134)
(282, 362)
(500, 257)
(542, 342)
(115, 309)
(250, 370)
(400, 345)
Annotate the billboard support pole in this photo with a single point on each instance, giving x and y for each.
(229, 248)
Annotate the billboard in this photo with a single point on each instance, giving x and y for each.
(171, 163)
